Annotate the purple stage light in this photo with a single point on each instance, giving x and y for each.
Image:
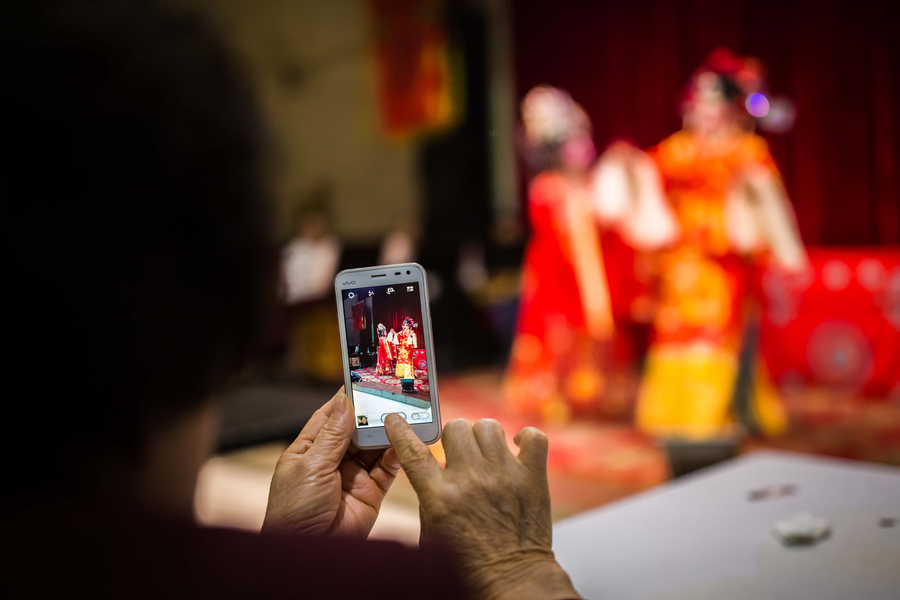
(757, 105)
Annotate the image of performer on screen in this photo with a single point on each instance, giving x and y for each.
(392, 342)
(385, 364)
(386, 357)
(406, 343)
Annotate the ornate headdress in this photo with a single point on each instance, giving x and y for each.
(741, 80)
(550, 116)
(733, 77)
(408, 322)
(381, 329)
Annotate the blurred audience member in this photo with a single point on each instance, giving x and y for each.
(709, 202)
(311, 258)
(309, 265)
(400, 245)
(565, 319)
(137, 172)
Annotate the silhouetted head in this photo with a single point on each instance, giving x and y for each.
(136, 198)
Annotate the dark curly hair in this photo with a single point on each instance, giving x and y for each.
(141, 269)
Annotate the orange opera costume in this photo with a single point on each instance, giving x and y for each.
(692, 366)
(385, 364)
(406, 343)
(720, 183)
(564, 323)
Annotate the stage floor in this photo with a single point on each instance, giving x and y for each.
(591, 462)
(369, 375)
(595, 461)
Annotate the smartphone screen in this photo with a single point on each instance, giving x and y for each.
(387, 353)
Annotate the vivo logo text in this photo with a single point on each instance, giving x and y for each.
(348, 283)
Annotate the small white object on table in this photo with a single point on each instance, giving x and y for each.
(710, 534)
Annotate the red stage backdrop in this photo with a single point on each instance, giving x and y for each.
(626, 63)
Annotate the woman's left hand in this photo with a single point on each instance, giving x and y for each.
(322, 485)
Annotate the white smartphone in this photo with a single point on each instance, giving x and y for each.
(388, 351)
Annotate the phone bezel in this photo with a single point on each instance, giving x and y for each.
(376, 437)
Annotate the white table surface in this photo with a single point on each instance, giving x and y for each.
(700, 537)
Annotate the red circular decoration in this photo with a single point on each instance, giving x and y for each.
(419, 360)
(836, 275)
(839, 354)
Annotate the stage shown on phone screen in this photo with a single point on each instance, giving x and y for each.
(386, 347)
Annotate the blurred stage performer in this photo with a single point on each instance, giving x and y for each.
(565, 320)
(709, 201)
(385, 364)
(393, 342)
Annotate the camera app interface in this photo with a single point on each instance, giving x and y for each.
(386, 346)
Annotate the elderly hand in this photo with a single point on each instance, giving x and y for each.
(489, 506)
(321, 485)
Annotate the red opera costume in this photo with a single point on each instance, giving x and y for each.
(385, 365)
(565, 320)
(556, 361)
(703, 279)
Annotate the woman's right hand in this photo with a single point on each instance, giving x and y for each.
(492, 508)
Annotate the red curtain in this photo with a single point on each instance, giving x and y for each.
(392, 310)
(359, 316)
(626, 63)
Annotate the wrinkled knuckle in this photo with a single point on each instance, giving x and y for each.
(535, 432)
(489, 425)
(494, 486)
(333, 428)
(535, 435)
(455, 428)
(456, 425)
(416, 456)
(421, 454)
(449, 497)
(452, 495)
